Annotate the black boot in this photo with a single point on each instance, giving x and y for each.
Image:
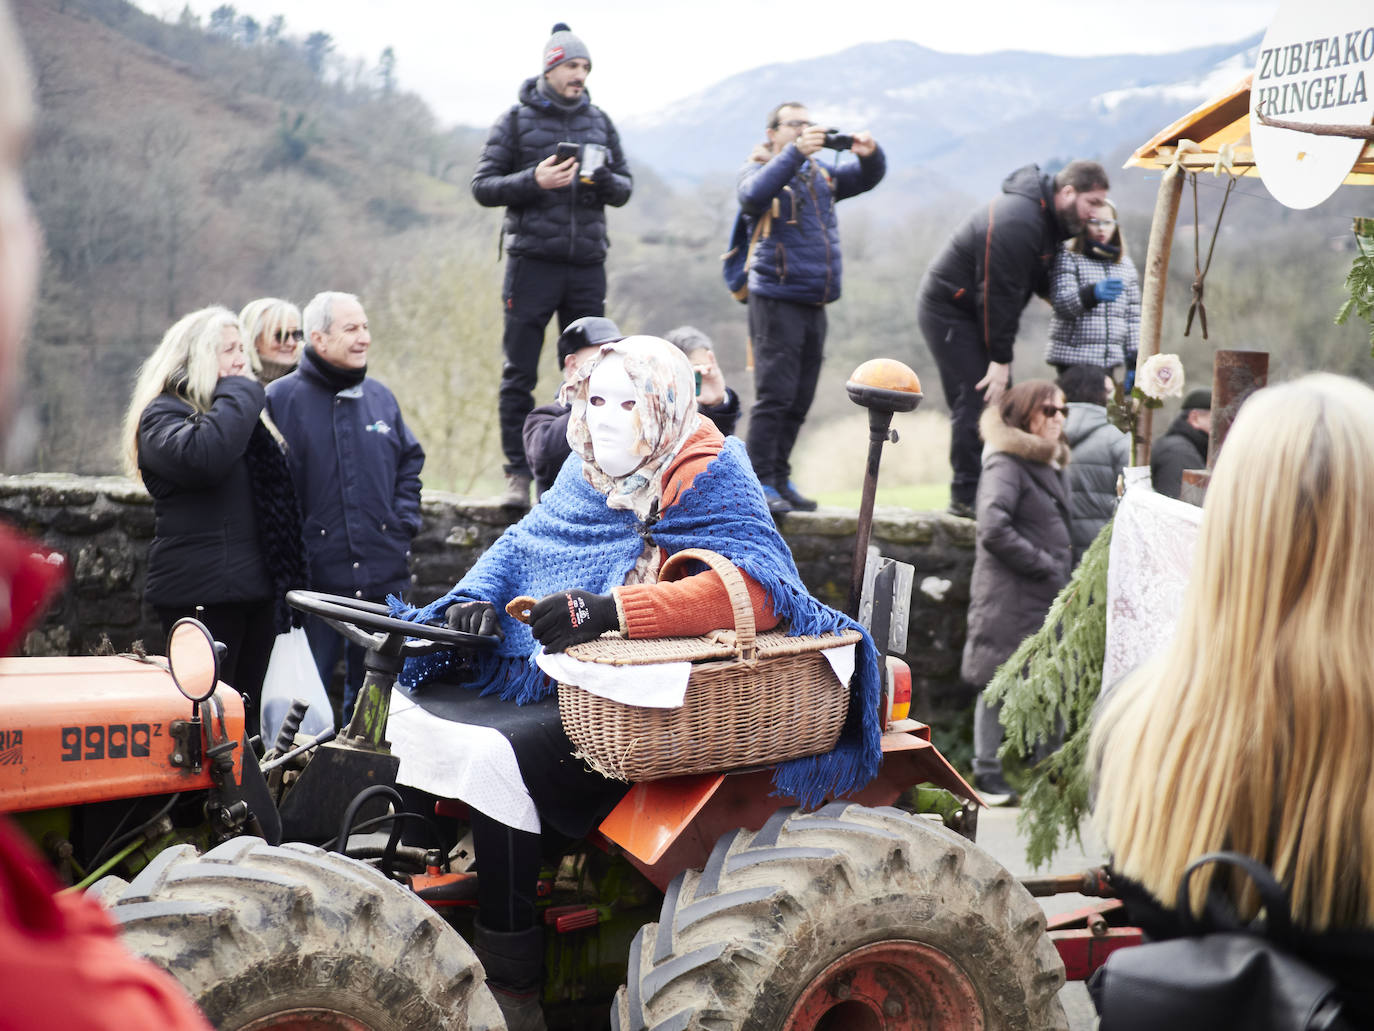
(514, 962)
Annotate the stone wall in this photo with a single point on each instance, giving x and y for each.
(103, 526)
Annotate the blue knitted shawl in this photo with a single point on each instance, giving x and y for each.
(571, 539)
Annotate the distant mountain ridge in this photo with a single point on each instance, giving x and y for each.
(950, 121)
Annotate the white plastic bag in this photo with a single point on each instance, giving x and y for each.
(291, 673)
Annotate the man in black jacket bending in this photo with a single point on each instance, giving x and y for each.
(555, 225)
(974, 291)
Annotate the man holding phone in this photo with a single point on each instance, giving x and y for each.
(554, 162)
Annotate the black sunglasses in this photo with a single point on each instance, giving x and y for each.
(1049, 411)
(283, 335)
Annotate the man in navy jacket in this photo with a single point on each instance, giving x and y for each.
(356, 469)
(794, 273)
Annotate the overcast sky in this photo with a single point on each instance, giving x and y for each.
(467, 58)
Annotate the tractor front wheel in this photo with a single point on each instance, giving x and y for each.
(293, 937)
(845, 918)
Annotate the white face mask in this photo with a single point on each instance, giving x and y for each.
(611, 417)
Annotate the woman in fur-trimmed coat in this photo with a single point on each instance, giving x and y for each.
(1023, 555)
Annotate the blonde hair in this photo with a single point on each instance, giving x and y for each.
(263, 318)
(1254, 730)
(186, 364)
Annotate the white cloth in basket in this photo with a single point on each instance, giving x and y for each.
(659, 685)
(458, 760)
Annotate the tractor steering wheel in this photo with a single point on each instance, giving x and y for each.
(353, 617)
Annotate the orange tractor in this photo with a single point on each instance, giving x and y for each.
(700, 902)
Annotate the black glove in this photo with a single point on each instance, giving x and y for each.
(474, 617)
(571, 617)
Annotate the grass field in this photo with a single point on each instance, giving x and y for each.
(923, 497)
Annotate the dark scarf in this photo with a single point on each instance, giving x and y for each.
(333, 376)
(278, 515)
(541, 87)
(273, 370)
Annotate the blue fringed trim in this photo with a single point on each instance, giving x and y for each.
(855, 759)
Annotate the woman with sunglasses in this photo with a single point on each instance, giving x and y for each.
(274, 327)
(1023, 552)
(1095, 294)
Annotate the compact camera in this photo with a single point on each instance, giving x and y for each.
(836, 140)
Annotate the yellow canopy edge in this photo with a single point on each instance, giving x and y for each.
(1225, 119)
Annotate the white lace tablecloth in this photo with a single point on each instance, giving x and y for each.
(1147, 572)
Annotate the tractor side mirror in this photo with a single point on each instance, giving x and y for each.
(192, 659)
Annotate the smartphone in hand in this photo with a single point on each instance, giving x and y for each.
(565, 151)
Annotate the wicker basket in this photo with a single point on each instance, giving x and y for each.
(752, 699)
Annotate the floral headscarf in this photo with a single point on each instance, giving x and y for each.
(665, 414)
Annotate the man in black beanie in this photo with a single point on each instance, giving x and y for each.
(1184, 446)
(555, 227)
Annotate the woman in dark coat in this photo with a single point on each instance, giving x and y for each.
(227, 542)
(1023, 555)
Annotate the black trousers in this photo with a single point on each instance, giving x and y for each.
(248, 631)
(789, 346)
(959, 354)
(534, 291)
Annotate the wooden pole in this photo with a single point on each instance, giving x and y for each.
(1152, 288)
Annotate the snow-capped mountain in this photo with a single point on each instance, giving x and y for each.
(946, 121)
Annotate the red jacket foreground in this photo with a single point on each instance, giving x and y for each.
(62, 961)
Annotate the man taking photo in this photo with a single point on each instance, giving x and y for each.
(794, 272)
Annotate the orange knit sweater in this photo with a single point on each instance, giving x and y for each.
(695, 604)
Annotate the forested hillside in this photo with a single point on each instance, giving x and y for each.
(184, 164)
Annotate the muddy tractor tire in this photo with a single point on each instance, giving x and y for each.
(848, 917)
(296, 937)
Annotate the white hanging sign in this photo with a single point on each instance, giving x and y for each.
(1316, 65)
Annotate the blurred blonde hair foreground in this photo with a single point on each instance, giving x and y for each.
(1254, 729)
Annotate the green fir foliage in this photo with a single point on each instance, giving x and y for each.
(1051, 682)
(1360, 281)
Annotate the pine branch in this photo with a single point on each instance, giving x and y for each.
(1360, 281)
(1048, 689)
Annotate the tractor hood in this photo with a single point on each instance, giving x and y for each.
(89, 729)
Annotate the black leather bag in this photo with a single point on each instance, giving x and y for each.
(1234, 977)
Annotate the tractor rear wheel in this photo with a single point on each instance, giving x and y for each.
(293, 937)
(848, 917)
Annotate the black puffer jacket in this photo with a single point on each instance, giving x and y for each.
(1022, 555)
(1002, 254)
(567, 224)
(205, 548)
(1183, 447)
(1100, 453)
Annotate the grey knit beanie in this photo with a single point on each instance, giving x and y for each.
(564, 46)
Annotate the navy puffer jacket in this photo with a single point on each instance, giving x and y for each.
(800, 259)
(567, 224)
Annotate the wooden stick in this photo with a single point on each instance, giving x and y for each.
(1152, 288)
(1354, 132)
